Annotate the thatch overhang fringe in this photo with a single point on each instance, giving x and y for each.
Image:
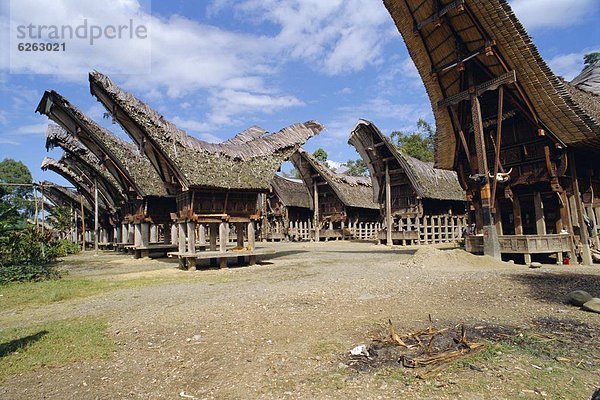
(130, 168)
(433, 48)
(353, 191)
(589, 79)
(57, 136)
(428, 182)
(188, 162)
(78, 178)
(62, 196)
(291, 193)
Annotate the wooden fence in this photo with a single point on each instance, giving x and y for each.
(427, 229)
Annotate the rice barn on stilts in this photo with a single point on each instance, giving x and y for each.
(288, 214)
(519, 142)
(420, 203)
(343, 206)
(92, 178)
(145, 222)
(215, 184)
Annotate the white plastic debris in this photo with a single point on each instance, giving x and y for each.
(359, 350)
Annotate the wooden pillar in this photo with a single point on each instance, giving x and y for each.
(181, 237)
(316, 209)
(153, 233)
(498, 218)
(145, 234)
(595, 217)
(174, 234)
(251, 241)
(167, 235)
(137, 236)
(491, 246)
(583, 233)
(389, 221)
(202, 235)
(540, 221)
(95, 217)
(518, 221)
(223, 239)
(191, 237)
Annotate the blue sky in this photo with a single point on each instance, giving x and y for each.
(217, 67)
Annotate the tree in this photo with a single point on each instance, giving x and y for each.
(590, 58)
(356, 167)
(417, 144)
(20, 197)
(320, 155)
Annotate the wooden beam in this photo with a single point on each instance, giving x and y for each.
(583, 233)
(437, 15)
(316, 210)
(389, 220)
(540, 221)
(493, 84)
(498, 142)
(517, 220)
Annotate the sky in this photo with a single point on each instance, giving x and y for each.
(214, 68)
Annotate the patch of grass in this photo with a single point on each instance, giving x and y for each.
(323, 348)
(52, 344)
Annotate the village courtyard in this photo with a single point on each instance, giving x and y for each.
(117, 327)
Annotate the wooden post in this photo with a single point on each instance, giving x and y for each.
(153, 233)
(540, 221)
(145, 234)
(181, 236)
(595, 222)
(251, 241)
(223, 239)
(137, 236)
(202, 235)
(518, 221)
(316, 210)
(583, 233)
(191, 237)
(491, 246)
(167, 236)
(174, 234)
(389, 221)
(239, 230)
(95, 217)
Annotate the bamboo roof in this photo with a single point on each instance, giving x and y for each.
(469, 29)
(87, 162)
(291, 193)
(129, 167)
(428, 182)
(246, 163)
(353, 191)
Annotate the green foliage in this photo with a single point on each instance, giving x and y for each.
(12, 171)
(28, 256)
(66, 247)
(62, 219)
(320, 155)
(356, 167)
(590, 58)
(419, 143)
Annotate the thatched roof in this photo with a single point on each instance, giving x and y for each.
(130, 168)
(248, 163)
(88, 162)
(482, 24)
(63, 196)
(291, 193)
(72, 172)
(428, 182)
(589, 79)
(353, 191)
(585, 90)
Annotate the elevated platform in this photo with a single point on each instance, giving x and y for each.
(188, 260)
(526, 245)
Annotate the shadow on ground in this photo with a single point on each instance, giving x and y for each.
(554, 287)
(17, 344)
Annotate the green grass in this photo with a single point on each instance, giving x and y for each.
(52, 344)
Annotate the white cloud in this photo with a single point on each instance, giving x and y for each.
(31, 129)
(553, 13)
(568, 65)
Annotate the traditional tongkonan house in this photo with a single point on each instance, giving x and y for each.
(585, 91)
(146, 216)
(422, 204)
(509, 127)
(63, 197)
(288, 215)
(214, 184)
(87, 166)
(344, 206)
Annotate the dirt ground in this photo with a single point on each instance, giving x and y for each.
(284, 328)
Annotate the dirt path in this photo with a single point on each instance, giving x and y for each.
(281, 329)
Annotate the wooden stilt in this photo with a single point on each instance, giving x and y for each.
(540, 221)
(191, 237)
(517, 216)
(251, 241)
(583, 233)
(223, 239)
(389, 221)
